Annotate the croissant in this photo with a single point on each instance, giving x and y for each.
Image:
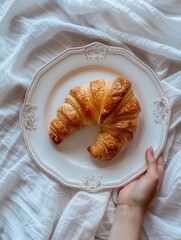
(110, 104)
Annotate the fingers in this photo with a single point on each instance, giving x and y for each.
(160, 166)
(152, 168)
(155, 168)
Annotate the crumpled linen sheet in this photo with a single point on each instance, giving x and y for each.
(32, 204)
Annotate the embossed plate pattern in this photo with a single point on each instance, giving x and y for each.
(70, 162)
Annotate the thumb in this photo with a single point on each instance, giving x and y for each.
(152, 168)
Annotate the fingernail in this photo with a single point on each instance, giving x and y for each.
(151, 150)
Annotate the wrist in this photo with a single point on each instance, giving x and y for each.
(127, 223)
(130, 211)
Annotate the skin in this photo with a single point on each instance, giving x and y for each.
(134, 199)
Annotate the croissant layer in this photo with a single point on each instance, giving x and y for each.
(110, 104)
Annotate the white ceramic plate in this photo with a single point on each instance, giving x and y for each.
(70, 162)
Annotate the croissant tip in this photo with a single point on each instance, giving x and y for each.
(89, 150)
(55, 139)
(57, 142)
(97, 157)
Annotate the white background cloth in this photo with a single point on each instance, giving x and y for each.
(33, 205)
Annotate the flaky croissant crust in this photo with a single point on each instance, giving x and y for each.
(110, 104)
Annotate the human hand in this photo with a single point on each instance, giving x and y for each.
(140, 192)
(134, 198)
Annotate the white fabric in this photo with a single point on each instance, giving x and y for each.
(35, 206)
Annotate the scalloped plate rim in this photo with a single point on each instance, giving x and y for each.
(32, 85)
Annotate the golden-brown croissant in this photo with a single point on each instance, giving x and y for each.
(110, 104)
